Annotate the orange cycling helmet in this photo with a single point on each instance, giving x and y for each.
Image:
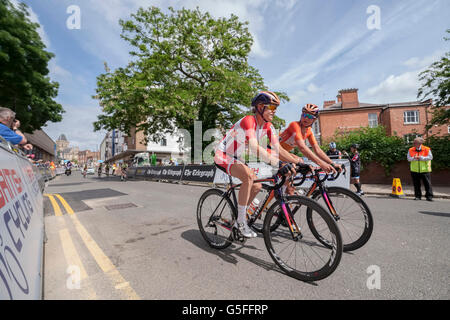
(311, 109)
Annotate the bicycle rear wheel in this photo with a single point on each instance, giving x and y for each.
(303, 258)
(355, 219)
(215, 216)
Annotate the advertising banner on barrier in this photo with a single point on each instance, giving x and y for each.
(165, 173)
(21, 228)
(141, 172)
(199, 173)
(131, 172)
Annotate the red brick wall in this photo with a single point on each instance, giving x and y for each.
(343, 121)
(397, 122)
(349, 98)
(373, 173)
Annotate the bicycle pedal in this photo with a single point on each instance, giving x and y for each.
(237, 235)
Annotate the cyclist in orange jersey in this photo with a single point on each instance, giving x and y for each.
(298, 132)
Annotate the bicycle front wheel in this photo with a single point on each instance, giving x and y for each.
(215, 216)
(300, 254)
(355, 219)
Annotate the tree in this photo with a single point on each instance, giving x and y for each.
(437, 85)
(24, 83)
(186, 66)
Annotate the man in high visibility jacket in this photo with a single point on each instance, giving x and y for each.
(420, 158)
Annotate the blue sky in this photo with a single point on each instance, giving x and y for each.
(309, 49)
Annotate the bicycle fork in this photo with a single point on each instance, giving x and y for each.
(329, 204)
(293, 227)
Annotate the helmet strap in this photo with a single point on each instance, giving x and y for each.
(261, 113)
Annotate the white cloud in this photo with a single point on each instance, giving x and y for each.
(299, 95)
(424, 62)
(57, 72)
(286, 4)
(401, 88)
(77, 125)
(104, 16)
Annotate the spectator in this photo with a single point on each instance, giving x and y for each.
(9, 129)
(420, 158)
(334, 153)
(355, 168)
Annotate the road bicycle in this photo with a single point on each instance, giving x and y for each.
(350, 211)
(292, 246)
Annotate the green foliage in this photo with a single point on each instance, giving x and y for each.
(440, 148)
(374, 145)
(24, 83)
(186, 66)
(436, 84)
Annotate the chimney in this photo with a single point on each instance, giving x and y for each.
(328, 103)
(339, 98)
(349, 98)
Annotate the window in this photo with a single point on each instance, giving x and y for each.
(373, 120)
(409, 138)
(411, 117)
(163, 142)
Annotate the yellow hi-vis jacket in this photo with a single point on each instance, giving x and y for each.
(424, 163)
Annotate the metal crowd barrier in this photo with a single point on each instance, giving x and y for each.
(210, 174)
(21, 225)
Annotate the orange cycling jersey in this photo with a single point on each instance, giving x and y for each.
(293, 133)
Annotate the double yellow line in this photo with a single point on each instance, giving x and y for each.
(56, 206)
(97, 253)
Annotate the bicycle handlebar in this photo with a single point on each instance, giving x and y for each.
(279, 184)
(305, 169)
(343, 171)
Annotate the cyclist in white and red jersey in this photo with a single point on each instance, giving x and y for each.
(255, 132)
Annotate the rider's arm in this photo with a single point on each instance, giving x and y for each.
(286, 156)
(256, 149)
(308, 153)
(322, 155)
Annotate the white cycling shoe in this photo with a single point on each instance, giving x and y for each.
(245, 230)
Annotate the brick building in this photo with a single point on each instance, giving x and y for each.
(88, 157)
(404, 119)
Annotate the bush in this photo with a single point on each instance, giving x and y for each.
(440, 148)
(374, 146)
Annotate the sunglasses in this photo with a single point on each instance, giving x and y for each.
(271, 107)
(309, 116)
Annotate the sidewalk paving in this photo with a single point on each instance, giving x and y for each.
(439, 192)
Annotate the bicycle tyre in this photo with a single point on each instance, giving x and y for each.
(271, 239)
(226, 239)
(350, 244)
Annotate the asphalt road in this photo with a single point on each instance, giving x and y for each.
(140, 240)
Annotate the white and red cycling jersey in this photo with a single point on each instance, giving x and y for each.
(233, 146)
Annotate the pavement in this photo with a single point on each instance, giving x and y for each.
(140, 240)
(439, 192)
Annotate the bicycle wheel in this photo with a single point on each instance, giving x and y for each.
(304, 258)
(355, 219)
(215, 215)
